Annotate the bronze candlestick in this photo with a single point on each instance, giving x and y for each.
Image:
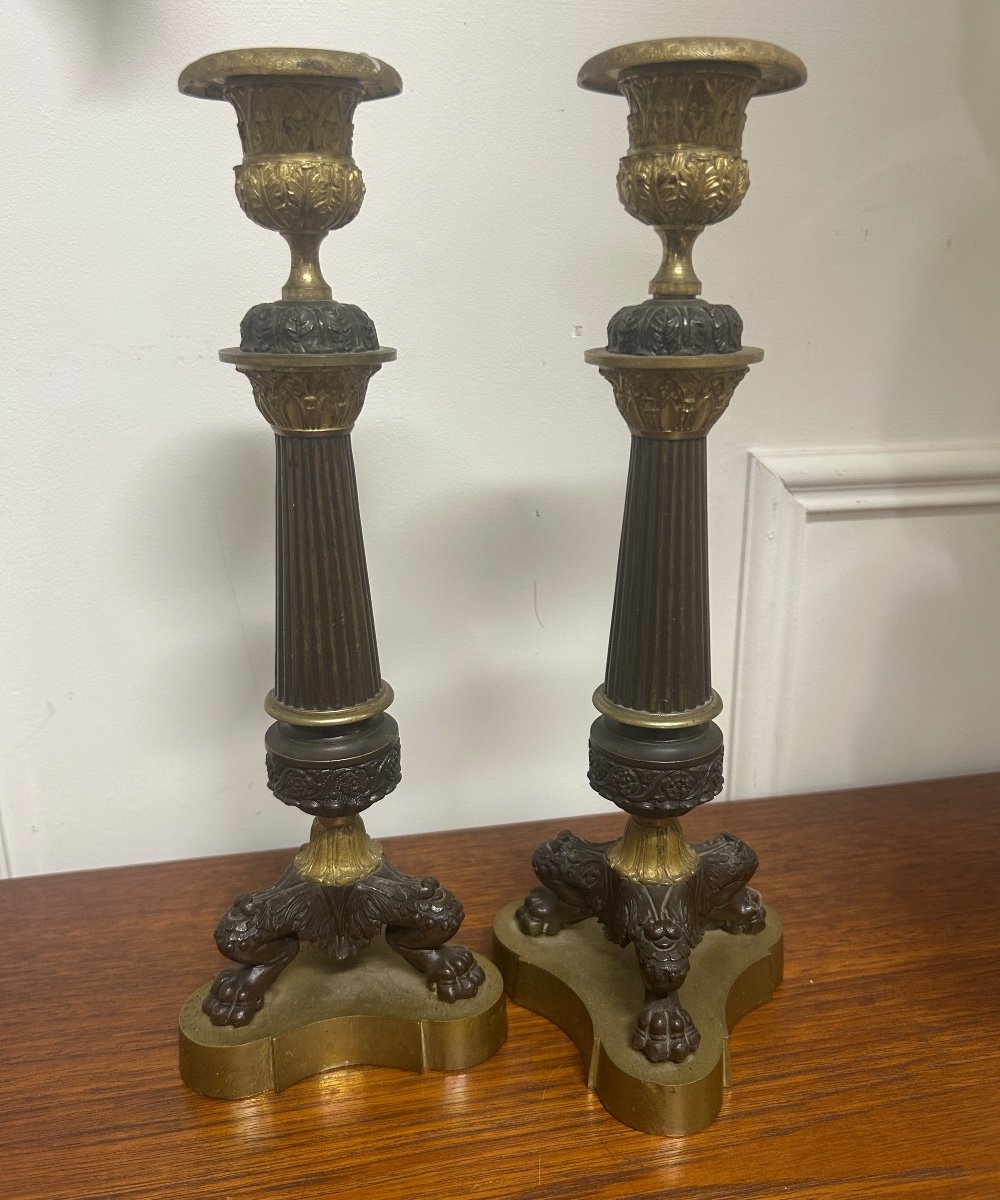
(655, 1040)
(333, 749)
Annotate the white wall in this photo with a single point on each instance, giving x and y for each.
(491, 249)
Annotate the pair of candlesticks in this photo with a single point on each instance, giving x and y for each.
(298, 999)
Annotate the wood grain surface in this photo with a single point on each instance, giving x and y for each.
(870, 1076)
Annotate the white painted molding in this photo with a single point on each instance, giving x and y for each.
(785, 491)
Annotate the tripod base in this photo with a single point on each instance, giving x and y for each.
(591, 989)
(320, 1015)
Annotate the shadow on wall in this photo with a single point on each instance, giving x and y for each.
(494, 642)
(979, 79)
(111, 37)
(195, 540)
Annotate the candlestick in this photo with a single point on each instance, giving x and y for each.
(333, 749)
(655, 1040)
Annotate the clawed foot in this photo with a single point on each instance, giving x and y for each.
(544, 913)
(236, 995)
(454, 974)
(664, 1031)
(744, 913)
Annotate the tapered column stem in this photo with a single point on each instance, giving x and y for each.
(658, 653)
(326, 655)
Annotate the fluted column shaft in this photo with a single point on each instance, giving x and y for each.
(655, 751)
(333, 750)
(326, 655)
(659, 651)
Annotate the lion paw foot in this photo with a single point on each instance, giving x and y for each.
(235, 997)
(544, 913)
(664, 1032)
(744, 913)
(455, 975)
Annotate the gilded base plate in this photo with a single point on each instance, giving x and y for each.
(592, 990)
(320, 1015)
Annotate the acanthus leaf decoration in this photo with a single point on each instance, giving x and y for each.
(685, 187)
(310, 401)
(673, 403)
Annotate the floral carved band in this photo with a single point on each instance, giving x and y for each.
(341, 791)
(653, 791)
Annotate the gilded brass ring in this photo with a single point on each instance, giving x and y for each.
(779, 69)
(331, 716)
(647, 720)
(207, 78)
(247, 360)
(600, 357)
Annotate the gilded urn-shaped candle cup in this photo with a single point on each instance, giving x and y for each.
(296, 1002)
(295, 116)
(655, 1038)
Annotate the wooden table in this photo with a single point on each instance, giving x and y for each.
(871, 1075)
